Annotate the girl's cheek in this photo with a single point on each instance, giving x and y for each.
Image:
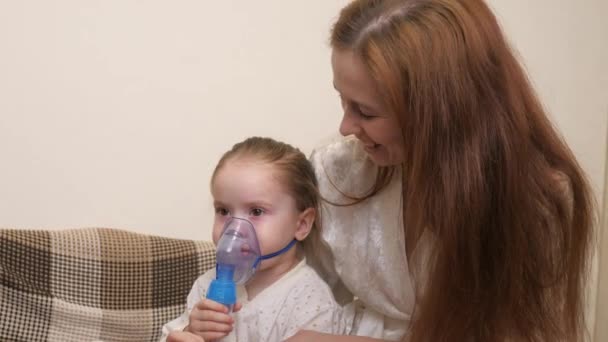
(256, 220)
(218, 227)
(220, 220)
(216, 236)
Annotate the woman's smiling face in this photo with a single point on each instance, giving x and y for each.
(365, 116)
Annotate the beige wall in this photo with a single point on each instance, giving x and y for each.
(113, 113)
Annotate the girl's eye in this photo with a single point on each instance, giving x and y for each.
(256, 212)
(222, 211)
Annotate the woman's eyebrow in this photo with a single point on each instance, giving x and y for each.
(361, 105)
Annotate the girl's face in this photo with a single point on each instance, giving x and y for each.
(250, 189)
(365, 116)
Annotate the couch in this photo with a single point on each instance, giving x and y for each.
(94, 284)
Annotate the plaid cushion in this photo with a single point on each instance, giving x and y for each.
(94, 284)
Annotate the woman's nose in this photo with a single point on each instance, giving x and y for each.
(349, 126)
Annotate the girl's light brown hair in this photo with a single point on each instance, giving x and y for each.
(293, 169)
(485, 173)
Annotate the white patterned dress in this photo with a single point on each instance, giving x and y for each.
(299, 300)
(363, 256)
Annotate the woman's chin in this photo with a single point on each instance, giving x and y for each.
(381, 158)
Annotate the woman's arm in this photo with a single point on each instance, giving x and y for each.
(307, 335)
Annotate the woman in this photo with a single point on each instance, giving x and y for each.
(458, 213)
(455, 212)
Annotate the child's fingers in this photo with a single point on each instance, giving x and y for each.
(208, 304)
(210, 331)
(237, 307)
(210, 320)
(213, 336)
(182, 336)
(210, 315)
(210, 327)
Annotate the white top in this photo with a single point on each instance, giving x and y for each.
(299, 300)
(366, 242)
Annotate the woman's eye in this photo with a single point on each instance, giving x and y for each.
(363, 115)
(222, 211)
(256, 212)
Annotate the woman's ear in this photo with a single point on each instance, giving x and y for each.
(306, 219)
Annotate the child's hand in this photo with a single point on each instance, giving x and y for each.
(183, 336)
(210, 320)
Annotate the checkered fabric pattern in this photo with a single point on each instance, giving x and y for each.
(94, 284)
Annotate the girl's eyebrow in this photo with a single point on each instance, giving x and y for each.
(259, 203)
(254, 203)
(218, 204)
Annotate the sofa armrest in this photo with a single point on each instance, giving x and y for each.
(94, 284)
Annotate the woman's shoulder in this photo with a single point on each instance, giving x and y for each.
(343, 164)
(342, 150)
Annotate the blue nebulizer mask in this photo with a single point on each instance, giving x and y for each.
(238, 256)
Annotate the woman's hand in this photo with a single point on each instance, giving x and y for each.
(307, 335)
(303, 336)
(210, 320)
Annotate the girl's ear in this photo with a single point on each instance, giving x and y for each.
(305, 223)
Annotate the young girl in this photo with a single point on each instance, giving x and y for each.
(273, 186)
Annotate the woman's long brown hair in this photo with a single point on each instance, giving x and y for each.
(485, 172)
